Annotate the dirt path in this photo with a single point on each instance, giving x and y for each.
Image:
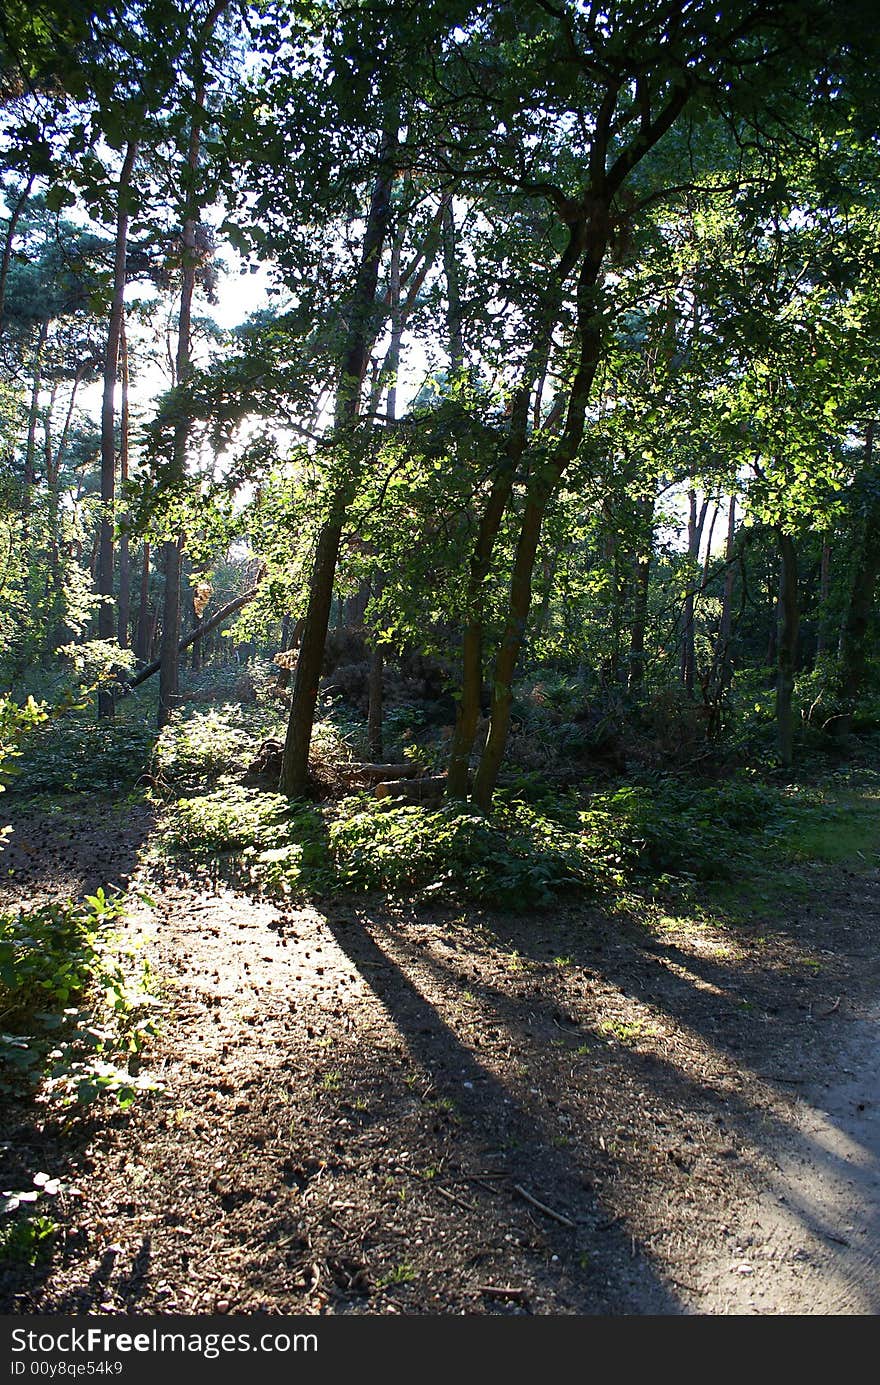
(811, 1242)
(398, 1110)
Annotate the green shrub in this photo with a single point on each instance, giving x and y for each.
(527, 853)
(26, 1239)
(76, 1001)
(517, 857)
(230, 820)
(276, 843)
(16, 719)
(69, 754)
(196, 749)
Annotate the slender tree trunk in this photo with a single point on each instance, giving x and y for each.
(720, 672)
(854, 632)
(142, 641)
(124, 546)
(615, 612)
(55, 582)
(480, 561)
(824, 590)
(772, 657)
(106, 621)
(641, 584)
(695, 535)
(295, 637)
(53, 478)
(8, 240)
(707, 556)
(541, 489)
(392, 359)
(374, 714)
(787, 645)
(548, 578)
(30, 454)
(295, 765)
(169, 675)
(453, 291)
(375, 680)
(198, 649)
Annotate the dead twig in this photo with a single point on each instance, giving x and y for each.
(459, 1201)
(500, 1291)
(542, 1207)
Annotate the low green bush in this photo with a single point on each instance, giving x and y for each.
(526, 853)
(263, 836)
(517, 857)
(194, 750)
(76, 1001)
(69, 754)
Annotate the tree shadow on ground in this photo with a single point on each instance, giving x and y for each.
(597, 1263)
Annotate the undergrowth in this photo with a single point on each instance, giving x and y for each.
(527, 853)
(72, 754)
(76, 1003)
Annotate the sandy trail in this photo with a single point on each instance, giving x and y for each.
(354, 1097)
(811, 1242)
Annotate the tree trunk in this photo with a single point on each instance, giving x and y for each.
(295, 637)
(124, 545)
(374, 715)
(295, 767)
(142, 643)
(53, 479)
(854, 633)
(787, 645)
(106, 621)
(479, 564)
(695, 535)
(824, 590)
(8, 240)
(169, 679)
(198, 647)
(720, 672)
(453, 292)
(641, 583)
(30, 454)
(542, 488)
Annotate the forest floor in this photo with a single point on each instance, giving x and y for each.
(377, 1108)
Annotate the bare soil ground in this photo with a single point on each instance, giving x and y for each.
(377, 1108)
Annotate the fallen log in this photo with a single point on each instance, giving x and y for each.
(224, 613)
(429, 789)
(376, 773)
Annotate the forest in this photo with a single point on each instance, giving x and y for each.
(439, 655)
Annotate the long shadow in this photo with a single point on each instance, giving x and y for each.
(638, 967)
(491, 1116)
(660, 988)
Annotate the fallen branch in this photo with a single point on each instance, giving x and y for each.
(430, 789)
(382, 772)
(459, 1201)
(834, 1008)
(542, 1207)
(499, 1291)
(223, 614)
